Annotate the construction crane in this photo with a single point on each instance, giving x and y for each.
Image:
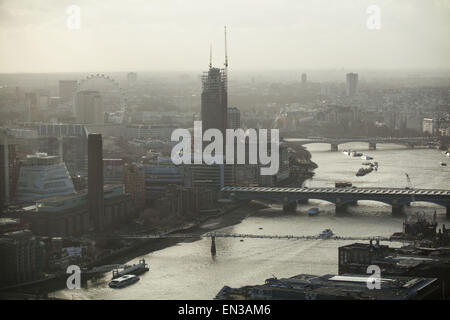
(408, 180)
(226, 53)
(410, 186)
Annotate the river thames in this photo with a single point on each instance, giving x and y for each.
(187, 270)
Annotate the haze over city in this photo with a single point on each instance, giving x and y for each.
(224, 150)
(264, 35)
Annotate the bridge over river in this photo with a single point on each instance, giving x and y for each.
(243, 235)
(214, 235)
(372, 141)
(341, 197)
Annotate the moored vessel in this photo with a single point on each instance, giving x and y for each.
(123, 281)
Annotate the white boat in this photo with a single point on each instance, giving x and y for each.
(447, 153)
(366, 157)
(346, 152)
(123, 281)
(313, 211)
(356, 154)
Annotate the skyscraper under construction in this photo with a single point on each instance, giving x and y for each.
(215, 96)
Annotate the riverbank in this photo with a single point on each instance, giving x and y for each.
(229, 217)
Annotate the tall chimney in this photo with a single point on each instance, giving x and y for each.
(95, 180)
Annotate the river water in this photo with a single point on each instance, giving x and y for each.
(187, 270)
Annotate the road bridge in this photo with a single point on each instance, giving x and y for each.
(372, 141)
(341, 197)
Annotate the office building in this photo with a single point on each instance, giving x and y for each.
(336, 287)
(430, 126)
(132, 79)
(352, 84)
(8, 169)
(233, 118)
(304, 79)
(214, 100)
(22, 257)
(406, 261)
(67, 90)
(89, 107)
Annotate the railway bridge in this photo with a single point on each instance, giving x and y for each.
(341, 197)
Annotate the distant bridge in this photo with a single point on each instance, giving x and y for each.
(252, 236)
(341, 197)
(372, 141)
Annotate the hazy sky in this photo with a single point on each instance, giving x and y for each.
(138, 35)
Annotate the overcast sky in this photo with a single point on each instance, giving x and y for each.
(145, 35)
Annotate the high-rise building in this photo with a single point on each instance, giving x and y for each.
(89, 107)
(22, 257)
(67, 90)
(304, 79)
(430, 126)
(233, 118)
(214, 99)
(352, 84)
(31, 107)
(215, 96)
(132, 79)
(8, 169)
(95, 180)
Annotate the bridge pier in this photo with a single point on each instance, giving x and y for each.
(397, 210)
(290, 207)
(334, 147)
(372, 146)
(448, 212)
(341, 208)
(213, 245)
(302, 201)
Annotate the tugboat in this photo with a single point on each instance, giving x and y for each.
(123, 281)
(326, 234)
